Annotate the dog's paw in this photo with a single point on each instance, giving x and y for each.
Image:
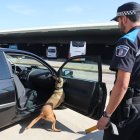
(56, 130)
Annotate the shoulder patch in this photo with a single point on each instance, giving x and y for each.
(121, 50)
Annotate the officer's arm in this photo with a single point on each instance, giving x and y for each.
(118, 91)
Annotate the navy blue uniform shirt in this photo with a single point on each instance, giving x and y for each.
(127, 56)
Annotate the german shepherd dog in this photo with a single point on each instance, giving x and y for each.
(54, 101)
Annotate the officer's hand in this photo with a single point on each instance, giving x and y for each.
(103, 123)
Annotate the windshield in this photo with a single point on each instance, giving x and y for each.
(51, 50)
(78, 44)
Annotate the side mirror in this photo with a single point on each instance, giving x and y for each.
(68, 73)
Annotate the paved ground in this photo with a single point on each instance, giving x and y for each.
(72, 124)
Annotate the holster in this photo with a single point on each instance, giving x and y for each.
(125, 111)
(127, 103)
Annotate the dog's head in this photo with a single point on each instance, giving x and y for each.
(58, 82)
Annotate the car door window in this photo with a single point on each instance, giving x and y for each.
(84, 90)
(32, 76)
(24, 60)
(31, 71)
(86, 69)
(4, 71)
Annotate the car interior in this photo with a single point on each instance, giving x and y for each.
(84, 90)
(31, 85)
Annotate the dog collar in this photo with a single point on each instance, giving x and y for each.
(58, 88)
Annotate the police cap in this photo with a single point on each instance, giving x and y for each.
(130, 8)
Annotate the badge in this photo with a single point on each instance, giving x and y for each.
(121, 50)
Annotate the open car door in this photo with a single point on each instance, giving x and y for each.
(84, 90)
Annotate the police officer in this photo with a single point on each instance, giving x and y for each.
(123, 108)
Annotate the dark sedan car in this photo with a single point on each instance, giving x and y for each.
(26, 82)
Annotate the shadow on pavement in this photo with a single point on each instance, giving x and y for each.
(98, 135)
(42, 124)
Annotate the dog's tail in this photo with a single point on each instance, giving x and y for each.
(34, 121)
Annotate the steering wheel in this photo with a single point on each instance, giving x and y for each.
(24, 74)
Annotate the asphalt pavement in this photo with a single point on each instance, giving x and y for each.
(72, 124)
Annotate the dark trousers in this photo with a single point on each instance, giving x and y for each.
(131, 130)
(129, 134)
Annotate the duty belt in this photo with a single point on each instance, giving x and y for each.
(136, 96)
(136, 92)
(136, 100)
(132, 95)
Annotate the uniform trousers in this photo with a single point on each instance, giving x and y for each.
(130, 130)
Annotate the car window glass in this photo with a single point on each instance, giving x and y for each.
(51, 50)
(84, 68)
(78, 44)
(24, 60)
(4, 70)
